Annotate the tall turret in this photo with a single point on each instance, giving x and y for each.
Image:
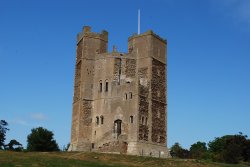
(89, 45)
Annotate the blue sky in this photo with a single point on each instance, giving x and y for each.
(208, 61)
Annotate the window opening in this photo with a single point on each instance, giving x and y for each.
(130, 95)
(100, 86)
(131, 119)
(118, 125)
(97, 120)
(102, 119)
(107, 86)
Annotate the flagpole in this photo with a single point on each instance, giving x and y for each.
(139, 21)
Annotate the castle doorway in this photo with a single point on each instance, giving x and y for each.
(118, 127)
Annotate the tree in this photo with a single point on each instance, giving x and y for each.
(177, 151)
(14, 146)
(230, 148)
(3, 130)
(198, 150)
(41, 139)
(66, 148)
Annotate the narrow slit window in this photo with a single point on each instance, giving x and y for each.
(131, 119)
(142, 120)
(102, 119)
(100, 86)
(97, 120)
(146, 120)
(107, 86)
(130, 95)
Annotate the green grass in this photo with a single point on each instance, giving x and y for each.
(75, 159)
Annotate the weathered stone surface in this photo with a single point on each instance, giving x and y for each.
(118, 97)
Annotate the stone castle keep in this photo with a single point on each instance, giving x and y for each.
(119, 102)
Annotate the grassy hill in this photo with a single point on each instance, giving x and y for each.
(75, 159)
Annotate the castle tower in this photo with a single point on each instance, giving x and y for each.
(120, 98)
(89, 44)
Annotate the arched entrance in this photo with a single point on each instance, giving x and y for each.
(118, 126)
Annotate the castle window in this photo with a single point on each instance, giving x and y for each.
(97, 120)
(131, 119)
(101, 119)
(130, 95)
(100, 85)
(107, 86)
(142, 120)
(126, 96)
(146, 120)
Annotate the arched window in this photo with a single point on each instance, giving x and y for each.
(106, 86)
(97, 120)
(101, 119)
(100, 85)
(131, 119)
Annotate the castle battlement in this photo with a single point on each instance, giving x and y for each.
(86, 32)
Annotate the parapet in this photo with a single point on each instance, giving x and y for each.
(150, 32)
(86, 32)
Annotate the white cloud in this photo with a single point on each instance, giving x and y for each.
(38, 116)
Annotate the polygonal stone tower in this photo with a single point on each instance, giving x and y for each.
(120, 98)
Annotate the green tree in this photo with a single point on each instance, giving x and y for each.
(14, 146)
(177, 151)
(230, 148)
(3, 130)
(41, 139)
(198, 150)
(246, 150)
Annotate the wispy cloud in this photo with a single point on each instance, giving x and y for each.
(238, 10)
(38, 116)
(20, 122)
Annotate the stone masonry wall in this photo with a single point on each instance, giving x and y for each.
(143, 114)
(79, 50)
(130, 67)
(158, 122)
(117, 68)
(86, 112)
(77, 81)
(143, 82)
(158, 86)
(143, 102)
